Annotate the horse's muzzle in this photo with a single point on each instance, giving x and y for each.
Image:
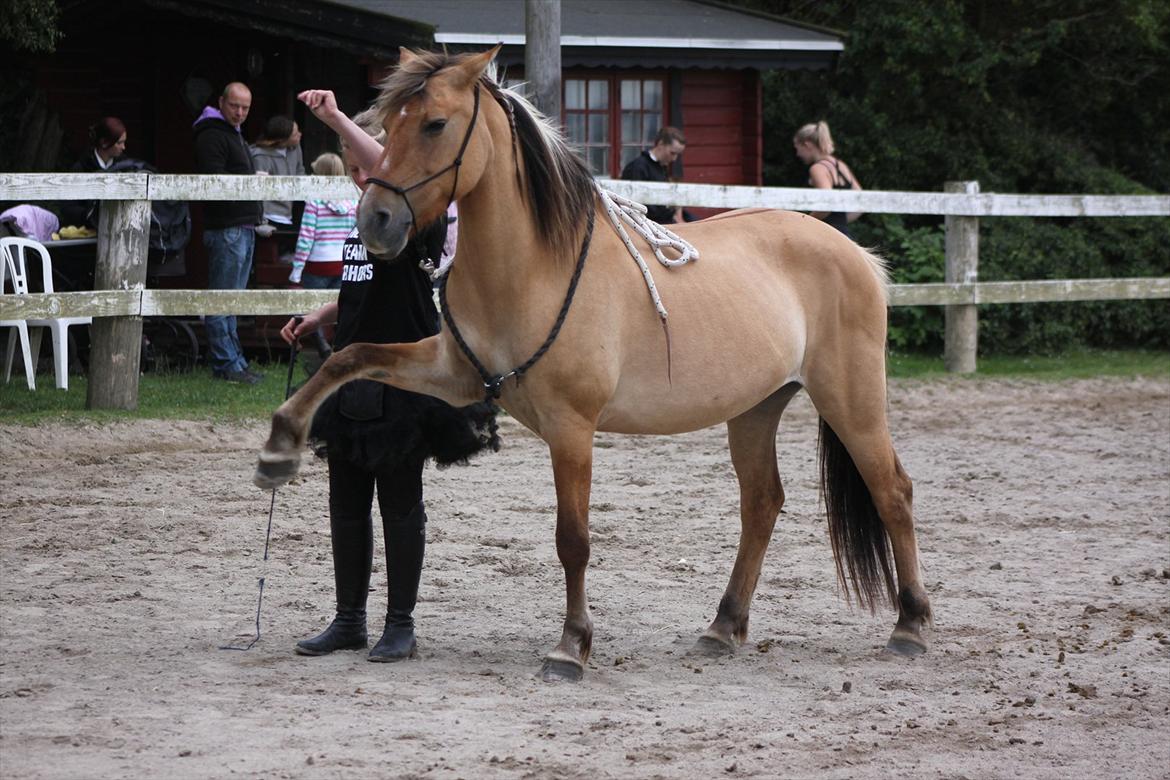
(384, 229)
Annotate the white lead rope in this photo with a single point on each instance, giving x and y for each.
(621, 209)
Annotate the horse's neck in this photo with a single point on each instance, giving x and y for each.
(501, 264)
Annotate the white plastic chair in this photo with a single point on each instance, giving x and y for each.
(15, 251)
(21, 332)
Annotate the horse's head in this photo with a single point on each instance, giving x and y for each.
(437, 145)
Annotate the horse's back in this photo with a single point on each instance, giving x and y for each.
(787, 258)
(741, 317)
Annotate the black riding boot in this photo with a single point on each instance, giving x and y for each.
(352, 549)
(406, 539)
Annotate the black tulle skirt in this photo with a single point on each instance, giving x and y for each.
(376, 426)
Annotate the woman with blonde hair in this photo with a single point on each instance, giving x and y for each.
(324, 227)
(814, 147)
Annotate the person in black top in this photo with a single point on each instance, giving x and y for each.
(107, 144)
(377, 436)
(814, 147)
(653, 164)
(228, 226)
(107, 141)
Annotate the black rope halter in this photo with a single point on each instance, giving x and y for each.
(492, 383)
(456, 164)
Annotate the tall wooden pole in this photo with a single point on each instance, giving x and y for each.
(542, 54)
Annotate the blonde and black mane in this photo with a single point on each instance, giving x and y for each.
(554, 179)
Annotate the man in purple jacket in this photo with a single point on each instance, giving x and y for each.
(228, 226)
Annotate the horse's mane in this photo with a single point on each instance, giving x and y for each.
(555, 181)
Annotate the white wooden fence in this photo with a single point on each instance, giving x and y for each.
(121, 299)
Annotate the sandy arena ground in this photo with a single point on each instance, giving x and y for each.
(130, 552)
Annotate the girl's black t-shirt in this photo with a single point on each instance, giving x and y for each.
(374, 426)
(383, 302)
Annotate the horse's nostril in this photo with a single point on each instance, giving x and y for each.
(382, 216)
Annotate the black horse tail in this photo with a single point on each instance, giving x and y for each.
(860, 543)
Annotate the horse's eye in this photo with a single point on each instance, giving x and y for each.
(435, 127)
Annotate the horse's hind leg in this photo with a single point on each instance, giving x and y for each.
(862, 477)
(752, 440)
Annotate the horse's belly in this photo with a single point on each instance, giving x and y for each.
(703, 387)
(737, 334)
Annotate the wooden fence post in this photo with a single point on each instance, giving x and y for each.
(116, 342)
(962, 258)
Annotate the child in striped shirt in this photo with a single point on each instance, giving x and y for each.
(324, 227)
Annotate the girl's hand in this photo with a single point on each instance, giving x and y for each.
(297, 327)
(322, 103)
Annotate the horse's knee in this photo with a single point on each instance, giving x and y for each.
(573, 544)
(761, 495)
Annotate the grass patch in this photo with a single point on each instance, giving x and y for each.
(1081, 364)
(196, 396)
(176, 396)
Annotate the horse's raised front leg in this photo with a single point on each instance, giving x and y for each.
(572, 461)
(752, 440)
(409, 366)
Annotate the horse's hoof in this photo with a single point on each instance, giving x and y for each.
(710, 647)
(272, 471)
(556, 670)
(905, 646)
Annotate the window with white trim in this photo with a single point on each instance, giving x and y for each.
(612, 118)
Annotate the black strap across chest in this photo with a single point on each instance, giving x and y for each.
(493, 383)
(840, 180)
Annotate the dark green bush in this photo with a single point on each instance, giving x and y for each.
(1028, 96)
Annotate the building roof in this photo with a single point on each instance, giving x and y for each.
(627, 33)
(373, 31)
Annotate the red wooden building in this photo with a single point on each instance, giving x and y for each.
(632, 66)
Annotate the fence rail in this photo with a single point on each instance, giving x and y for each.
(192, 303)
(145, 186)
(121, 300)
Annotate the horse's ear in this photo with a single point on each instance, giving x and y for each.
(405, 55)
(473, 67)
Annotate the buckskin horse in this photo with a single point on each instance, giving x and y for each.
(778, 301)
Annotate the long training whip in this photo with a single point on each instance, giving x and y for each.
(292, 359)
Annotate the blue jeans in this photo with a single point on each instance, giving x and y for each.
(229, 262)
(313, 282)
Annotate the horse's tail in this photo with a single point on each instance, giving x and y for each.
(860, 543)
(881, 271)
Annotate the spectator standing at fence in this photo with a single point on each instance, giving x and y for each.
(229, 227)
(325, 225)
(277, 152)
(653, 164)
(814, 147)
(376, 436)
